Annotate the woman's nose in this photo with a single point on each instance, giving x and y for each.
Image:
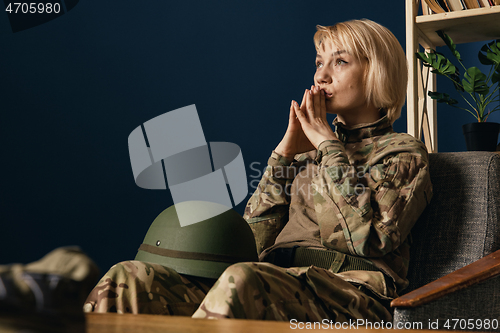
(322, 77)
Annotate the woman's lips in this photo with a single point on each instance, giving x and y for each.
(327, 94)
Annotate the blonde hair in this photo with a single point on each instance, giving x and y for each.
(386, 73)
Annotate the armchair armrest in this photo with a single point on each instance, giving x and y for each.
(476, 272)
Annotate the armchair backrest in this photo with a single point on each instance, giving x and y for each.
(462, 222)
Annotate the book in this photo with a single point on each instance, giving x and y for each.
(471, 4)
(433, 5)
(443, 4)
(455, 5)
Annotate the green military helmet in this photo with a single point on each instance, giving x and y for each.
(203, 249)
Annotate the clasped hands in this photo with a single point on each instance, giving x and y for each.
(307, 125)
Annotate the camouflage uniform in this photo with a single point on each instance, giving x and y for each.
(359, 197)
(141, 287)
(365, 193)
(269, 292)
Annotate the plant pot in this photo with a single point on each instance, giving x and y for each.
(481, 136)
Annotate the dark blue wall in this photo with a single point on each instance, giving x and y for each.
(74, 88)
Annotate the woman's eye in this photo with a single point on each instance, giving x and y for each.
(319, 64)
(340, 62)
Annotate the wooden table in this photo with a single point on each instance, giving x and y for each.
(115, 323)
(128, 323)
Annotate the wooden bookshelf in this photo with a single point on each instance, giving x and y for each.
(462, 26)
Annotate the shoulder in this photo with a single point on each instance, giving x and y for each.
(397, 144)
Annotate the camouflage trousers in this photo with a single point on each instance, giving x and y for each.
(245, 290)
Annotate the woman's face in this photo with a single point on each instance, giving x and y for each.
(341, 76)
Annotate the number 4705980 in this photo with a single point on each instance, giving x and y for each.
(33, 7)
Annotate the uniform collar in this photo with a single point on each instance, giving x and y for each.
(362, 131)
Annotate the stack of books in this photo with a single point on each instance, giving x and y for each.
(443, 6)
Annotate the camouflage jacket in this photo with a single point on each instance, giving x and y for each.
(367, 191)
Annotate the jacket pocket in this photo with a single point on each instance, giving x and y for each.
(265, 229)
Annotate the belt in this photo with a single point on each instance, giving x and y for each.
(327, 259)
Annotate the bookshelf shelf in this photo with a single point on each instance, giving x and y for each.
(464, 26)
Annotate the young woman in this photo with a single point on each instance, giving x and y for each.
(333, 211)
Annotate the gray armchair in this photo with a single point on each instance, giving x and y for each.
(455, 261)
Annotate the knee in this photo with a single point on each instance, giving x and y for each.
(121, 270)
(238, 269)
(240, 275)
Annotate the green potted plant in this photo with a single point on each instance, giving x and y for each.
(477, 89)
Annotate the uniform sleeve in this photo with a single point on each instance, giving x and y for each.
(365, 211)
(267, 210)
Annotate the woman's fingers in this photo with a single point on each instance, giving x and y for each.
(317, 101)
(298, 111)
(304, 98)
(292, 116)
(310, 104)
(322, 104)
